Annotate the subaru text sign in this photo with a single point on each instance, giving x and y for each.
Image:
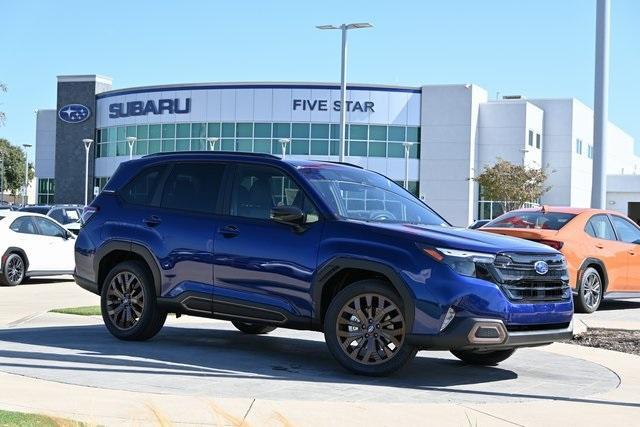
(74, 113)
(142, 108)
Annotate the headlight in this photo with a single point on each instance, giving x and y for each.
(462, 262)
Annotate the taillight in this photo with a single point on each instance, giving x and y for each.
(553, 243)
(87, 213)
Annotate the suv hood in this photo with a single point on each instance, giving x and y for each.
(462, 238)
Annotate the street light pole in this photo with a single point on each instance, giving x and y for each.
(211, 143)
(343, 77)
(87, 144)
(407, 148)
(600, 116)
(131, 140)
(284, 142)
(26, 174)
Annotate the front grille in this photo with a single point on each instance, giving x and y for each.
(516, 274)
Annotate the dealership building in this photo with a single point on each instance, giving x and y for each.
(451, 132)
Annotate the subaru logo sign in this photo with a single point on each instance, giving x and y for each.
(541, 267)
(74, 113)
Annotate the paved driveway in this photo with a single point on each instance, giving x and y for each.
(204, 357)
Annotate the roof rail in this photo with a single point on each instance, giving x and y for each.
(226, 153)
(342, 163)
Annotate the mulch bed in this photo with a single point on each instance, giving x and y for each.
(624, 341)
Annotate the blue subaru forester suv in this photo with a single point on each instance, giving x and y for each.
(267, 243)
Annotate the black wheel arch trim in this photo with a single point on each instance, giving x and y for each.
(135, 248)
(19, 251)
(335, 265)
(593, 261)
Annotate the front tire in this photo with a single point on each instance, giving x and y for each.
(365, 329)
(483, 358)
(128, 303)
(589, 291)
(14, 270)
(253, 328)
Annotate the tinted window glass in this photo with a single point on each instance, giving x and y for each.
(627, 232)
(600, 227)
(258, 189)
(23, 225)
(48, 228)
(193, 187)
(58, 215)
(142, 188)
(532, 219)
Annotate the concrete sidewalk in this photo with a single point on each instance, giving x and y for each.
(613, 314)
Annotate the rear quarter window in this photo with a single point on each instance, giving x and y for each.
(142, 189)
(532, 220)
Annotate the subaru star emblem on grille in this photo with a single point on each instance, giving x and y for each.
(541, 267)
(74, 113)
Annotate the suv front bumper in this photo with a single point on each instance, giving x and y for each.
(485, 334)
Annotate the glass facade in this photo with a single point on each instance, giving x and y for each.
(314, 139)
(46, 191)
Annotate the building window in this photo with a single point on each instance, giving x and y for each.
(315, 139)
(530, 138)
(46, 191)
(578, 146)
(590, 151)
(538, 140)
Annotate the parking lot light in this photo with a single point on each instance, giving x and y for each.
(211, 143)
(26, 173)
(284, 142)
(131, 140)
(343, 76)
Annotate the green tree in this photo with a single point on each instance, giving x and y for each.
(13, 159)
(511, 184)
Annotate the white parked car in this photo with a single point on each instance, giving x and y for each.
(33, 245)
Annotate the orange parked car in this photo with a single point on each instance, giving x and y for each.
(602, 248)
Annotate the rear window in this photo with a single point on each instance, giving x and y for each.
(536, 220)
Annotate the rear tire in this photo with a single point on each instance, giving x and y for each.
(253, 328)
(589, 291)
(13, 271)
(365, 329)
(482, 358)
(128, 303)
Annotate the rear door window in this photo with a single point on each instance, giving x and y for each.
(600, 227)
(143, 188)
(193, 187)
(627, 231)
(23, 225)
(533, 220)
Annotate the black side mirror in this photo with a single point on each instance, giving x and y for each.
(290, 215)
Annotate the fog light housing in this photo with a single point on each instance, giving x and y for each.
(451, 313)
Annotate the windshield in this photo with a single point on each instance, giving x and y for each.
(364, 195)
(532, 219)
